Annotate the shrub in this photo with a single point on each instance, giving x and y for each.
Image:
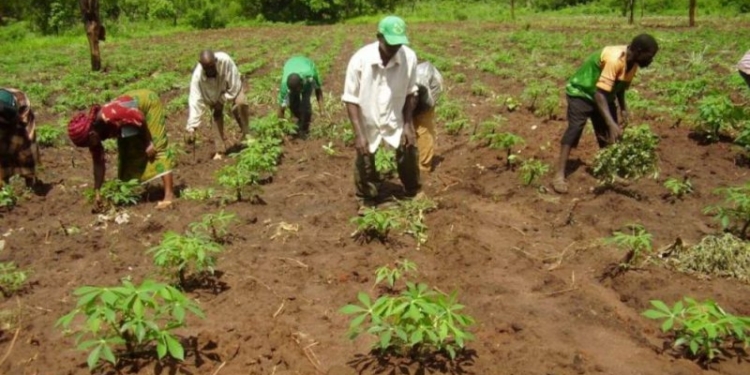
(207, 16)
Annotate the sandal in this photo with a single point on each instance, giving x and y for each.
(559, 185)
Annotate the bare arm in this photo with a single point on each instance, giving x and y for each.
(603, 107)
(353, 110)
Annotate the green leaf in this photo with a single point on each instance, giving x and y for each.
(175, 348)
(661, 306)
(364, 298)
(694, 347)
(667, 325)
(351, 309)
(385, 339)
(108, 355)
(93, 358)
(356, 322)
(161, 348)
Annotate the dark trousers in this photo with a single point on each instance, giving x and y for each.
(301, 108)
(579, 111)
(366, 176)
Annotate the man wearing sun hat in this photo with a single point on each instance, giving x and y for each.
(380, 93)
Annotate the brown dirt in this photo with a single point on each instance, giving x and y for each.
(522, 259)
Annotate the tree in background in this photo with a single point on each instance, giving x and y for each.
(692, 12)
(94, 30)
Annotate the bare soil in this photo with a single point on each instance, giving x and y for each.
(524, 260)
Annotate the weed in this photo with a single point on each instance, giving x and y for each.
(197, 194)
(8, 196)
(391, 275)
(735, 210)
(329, 149)
(507, 141)
(678, 188)
(177, 254)
(129, 315)
(385, 162)
(12, 279)
(213, 225)
(631, 158)
(117, 193)
(715, 256)
(511, 104)
(478, 89)
(531, 170)
(49, 135)
(716, 115)
(636, 241)
(703, 328)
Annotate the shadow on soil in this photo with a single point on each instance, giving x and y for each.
(386, 363)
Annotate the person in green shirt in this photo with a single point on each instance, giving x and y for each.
(299, 79)
(591, 94)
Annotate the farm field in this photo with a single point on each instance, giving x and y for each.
(528, 264)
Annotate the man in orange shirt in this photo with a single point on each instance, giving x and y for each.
(592, 91)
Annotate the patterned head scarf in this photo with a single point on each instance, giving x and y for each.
(80, 126)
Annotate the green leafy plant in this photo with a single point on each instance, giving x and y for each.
(8, 196)
(178, 254)
(716, 115)
(631, 158)
(236, 179)
(531, 170)
(412, 213)
(678, 188)
(385, 162)
(455, 126)
(49, 135)
(271, 127)
(117, 193)
(135, 317)
(507, 141)
(420, 320)
(375, 223)
(478, 89)
(391, 275)
(735, 210)
(701, 329)
(12, 279)
(213, 225)
(329, 149)
(635, 240)
(110, 145)
(511, 104)
(197, 194)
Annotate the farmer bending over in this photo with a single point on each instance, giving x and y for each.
(592, 91)
(300, 77)
(19, 153)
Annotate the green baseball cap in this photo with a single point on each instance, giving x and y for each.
(394, 30)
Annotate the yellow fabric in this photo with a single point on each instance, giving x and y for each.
(133, 162)
(614, 67)
(424, 124)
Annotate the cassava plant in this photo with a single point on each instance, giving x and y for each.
(129, 318)
(116, 193)
(376, 224)
(701, 330)
(385, 162)
(419, 321)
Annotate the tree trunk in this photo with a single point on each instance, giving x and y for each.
(94, 30)
(631, 5)
(692, 12)
(512, 9)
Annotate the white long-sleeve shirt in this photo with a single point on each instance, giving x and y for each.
(210, 92)
(381, 91)
(744, 64)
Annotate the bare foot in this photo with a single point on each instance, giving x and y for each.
(163, 205)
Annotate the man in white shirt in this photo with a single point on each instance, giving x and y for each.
(380, 93)
(216, 80)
